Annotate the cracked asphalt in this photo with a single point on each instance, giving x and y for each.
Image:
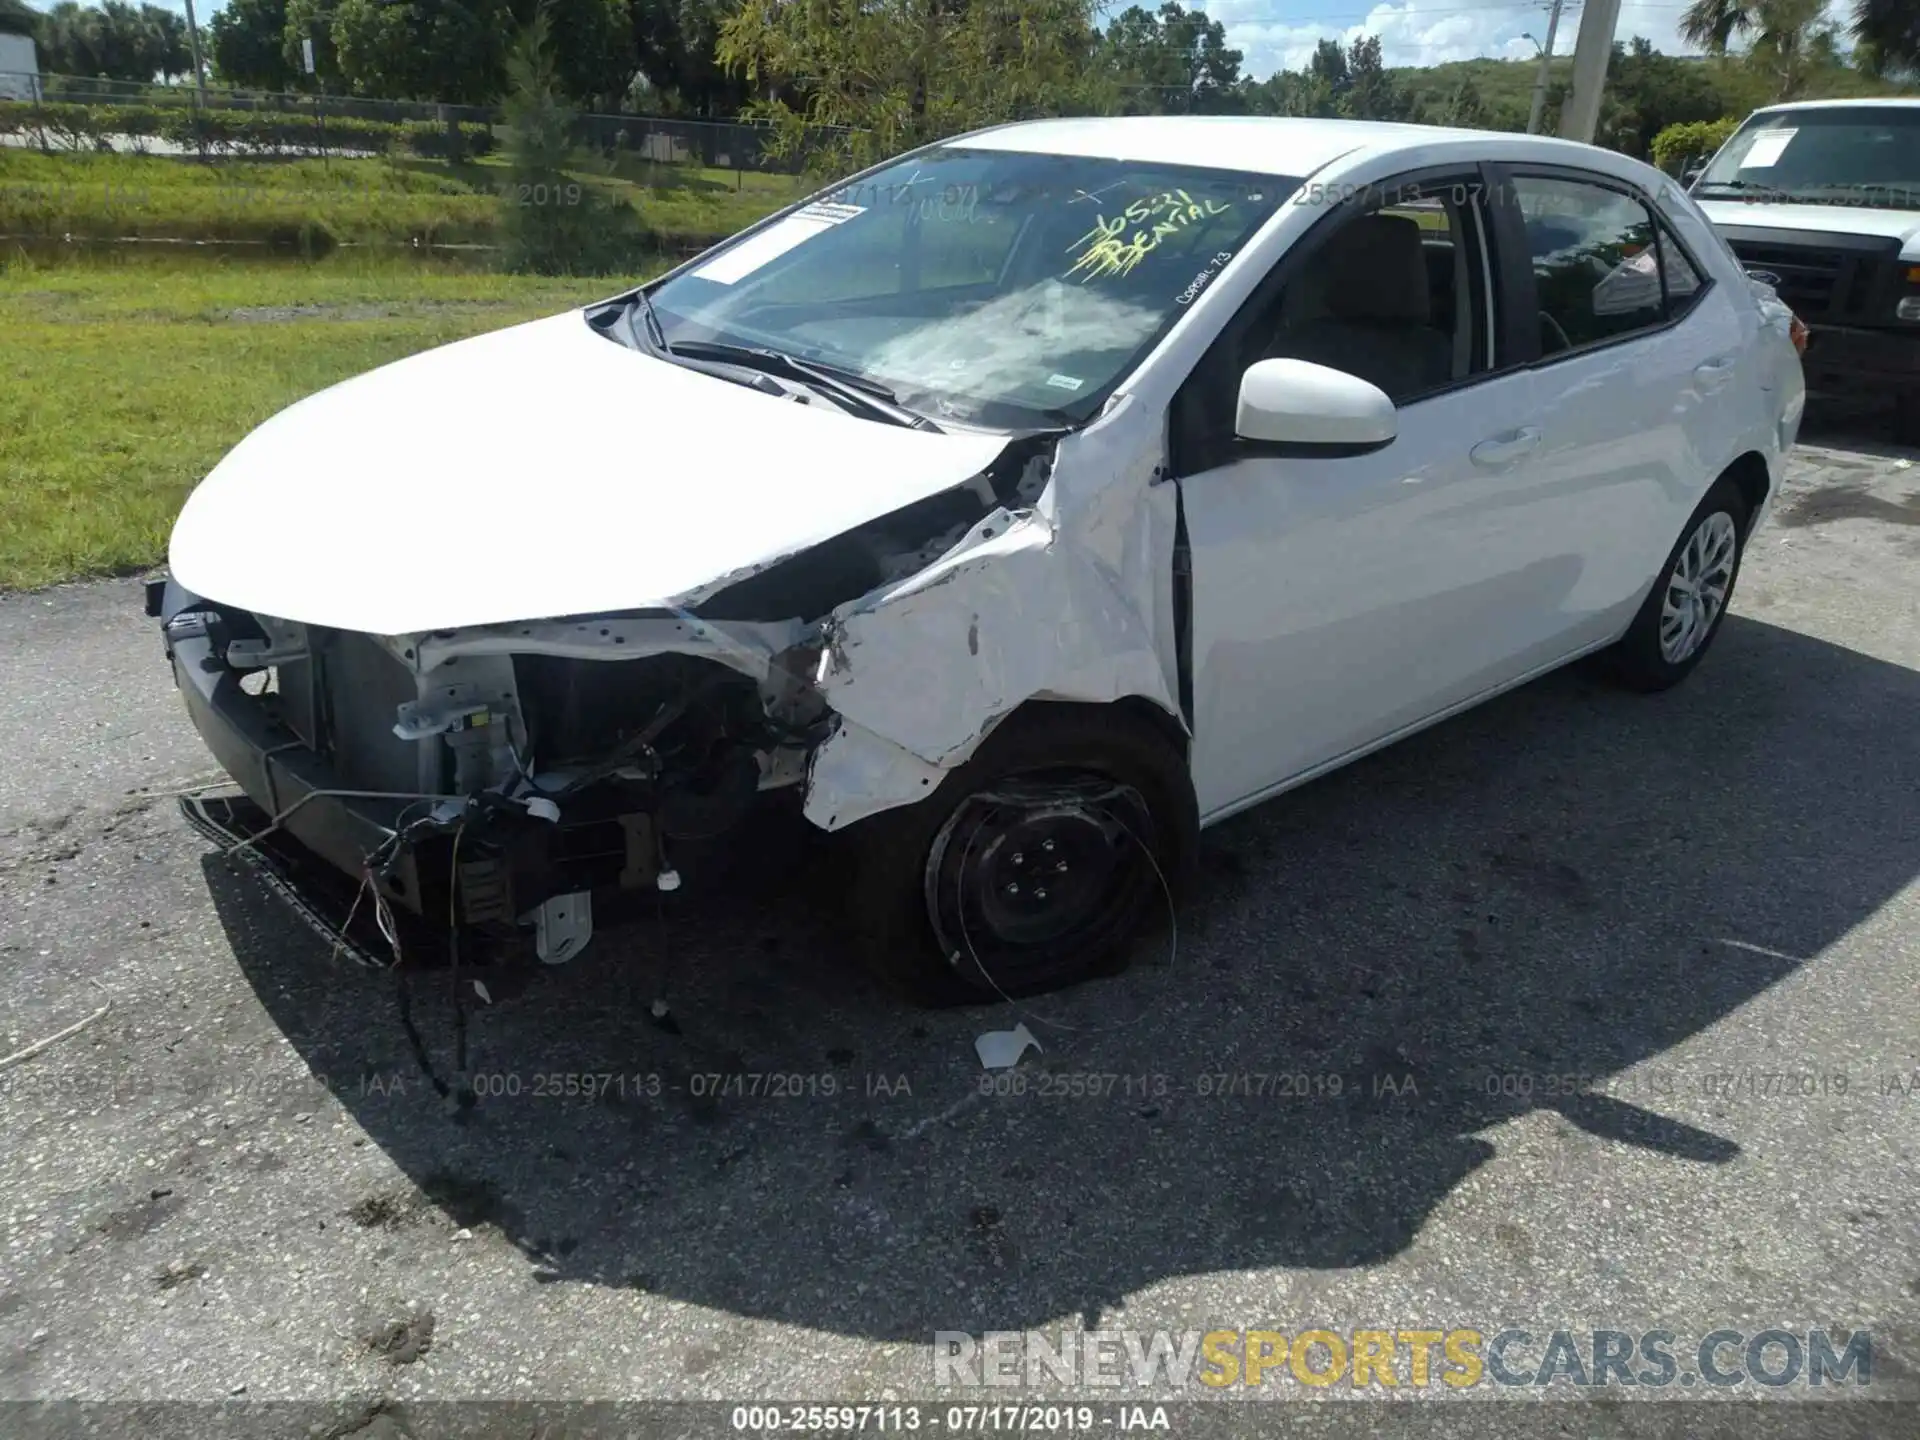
(1514, 990)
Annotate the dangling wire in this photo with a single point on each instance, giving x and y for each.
(1173, 938)
(453, 952)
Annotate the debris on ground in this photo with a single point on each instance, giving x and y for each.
(1002, 1049)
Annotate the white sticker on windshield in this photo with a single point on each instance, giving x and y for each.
(1767, 149)
(1065, 382)
(774, 241)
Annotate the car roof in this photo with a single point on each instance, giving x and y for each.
(1259, 144)
(1863, 102)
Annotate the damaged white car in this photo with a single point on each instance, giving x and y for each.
(1014, 509)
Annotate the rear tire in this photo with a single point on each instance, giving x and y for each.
(1683, 611)
(1033, 865)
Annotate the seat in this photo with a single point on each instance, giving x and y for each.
(1363, 305)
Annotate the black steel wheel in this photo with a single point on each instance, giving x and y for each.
(1033, 865)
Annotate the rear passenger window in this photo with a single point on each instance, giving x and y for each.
(1683, 281)
(1596, 268)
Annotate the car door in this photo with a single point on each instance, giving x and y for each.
(1638, 378)
(1339, 599)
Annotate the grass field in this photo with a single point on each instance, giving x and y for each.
(127, 379)
(364, 201)
(131, 372)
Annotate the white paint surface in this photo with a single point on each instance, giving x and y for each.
(1902, 225)
(539, 471)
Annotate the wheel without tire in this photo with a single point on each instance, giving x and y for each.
(1032, 865)
(1683, 611)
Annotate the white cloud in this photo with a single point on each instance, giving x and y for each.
(1422, 32)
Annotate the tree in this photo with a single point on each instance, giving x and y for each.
(1370, 92)
(552, 221)
(1647, 92)
(1328, 67)
(1465, 107)
(456, 50)
(594, 53)
(1174, 63)
(247, 40)
(116, 41)
(174, 49)
(449, 50)
(1787, 37)
(1889, 33)
(1351, 82)
(900, 72)
(676, 46)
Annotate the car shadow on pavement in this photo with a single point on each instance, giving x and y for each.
(1518, 911)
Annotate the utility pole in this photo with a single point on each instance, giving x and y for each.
(1540, 80)
(1591, 51)
(199, 70)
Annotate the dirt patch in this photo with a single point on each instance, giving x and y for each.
(1846, 502)
(386, 1211)
(178, 1273)
(402, 1340)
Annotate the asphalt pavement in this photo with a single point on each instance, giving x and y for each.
(1586, 1009)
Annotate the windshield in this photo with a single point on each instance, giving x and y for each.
(985, 287)
(1853, 156)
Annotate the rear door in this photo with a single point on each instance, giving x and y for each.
(1639, 364)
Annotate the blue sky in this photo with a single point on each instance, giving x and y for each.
(1282, 33)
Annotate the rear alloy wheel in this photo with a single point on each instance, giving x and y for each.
(1697, 586)
(1033, 865)
(1682, 613)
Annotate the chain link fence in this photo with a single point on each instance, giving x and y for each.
(74, 113)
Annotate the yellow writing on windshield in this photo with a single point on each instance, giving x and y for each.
(1115, 246)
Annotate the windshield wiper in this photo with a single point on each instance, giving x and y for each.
(641, 308)
(854, 388)
(1736, 185)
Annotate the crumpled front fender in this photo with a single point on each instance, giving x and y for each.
(1071, 600)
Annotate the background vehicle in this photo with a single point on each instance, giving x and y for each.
(19, 68)
(1020, 506)
(1822, 200)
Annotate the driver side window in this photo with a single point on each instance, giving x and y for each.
(1392, 288)
(1395, 294)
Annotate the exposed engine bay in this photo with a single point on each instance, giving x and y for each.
(500, 777)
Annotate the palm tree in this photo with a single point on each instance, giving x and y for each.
(1713, 24)
(1888, 31)
(1784, 34)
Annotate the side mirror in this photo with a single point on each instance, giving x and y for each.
(1691, 174)
(1296, 407)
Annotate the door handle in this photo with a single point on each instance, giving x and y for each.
(1713, 373)
(1507, 448)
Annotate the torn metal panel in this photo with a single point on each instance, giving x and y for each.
(748, 648)
(1069, 600)
(855, 773)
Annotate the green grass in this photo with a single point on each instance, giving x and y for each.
(364, 201)
(128, 379)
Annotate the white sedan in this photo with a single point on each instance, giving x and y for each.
(1012, 511)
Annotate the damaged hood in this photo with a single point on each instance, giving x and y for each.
(538, 471)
